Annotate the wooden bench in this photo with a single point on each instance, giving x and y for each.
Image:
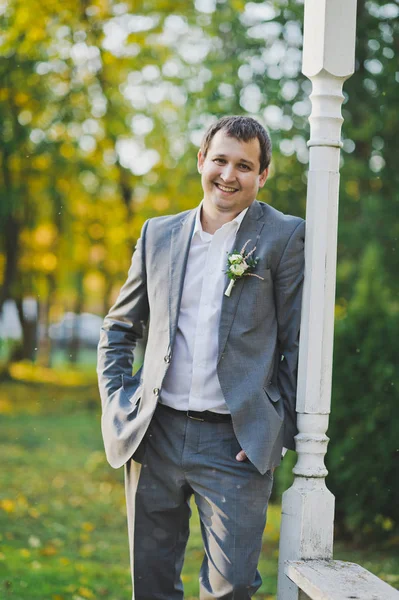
(337, 580)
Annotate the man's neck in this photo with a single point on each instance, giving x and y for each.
(212, 221)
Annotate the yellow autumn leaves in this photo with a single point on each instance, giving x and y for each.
(30, 372)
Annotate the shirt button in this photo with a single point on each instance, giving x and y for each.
(155, 391)
(167, 358)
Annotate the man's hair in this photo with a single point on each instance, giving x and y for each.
(243, 129)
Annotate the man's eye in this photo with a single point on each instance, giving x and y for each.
(219, 160)
(245, 167)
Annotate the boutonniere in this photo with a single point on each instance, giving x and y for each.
(240, 265)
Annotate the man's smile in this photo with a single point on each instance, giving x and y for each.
(225, 188)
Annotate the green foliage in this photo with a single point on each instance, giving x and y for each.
(364, 422)
(363, 452)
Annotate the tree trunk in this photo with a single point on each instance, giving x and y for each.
(74, 344)
(27, 349)
(11, 235)
(44, 349)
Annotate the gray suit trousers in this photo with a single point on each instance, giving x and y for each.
(180, 457)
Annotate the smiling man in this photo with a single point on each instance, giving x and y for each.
(208, 413)
(232, 171)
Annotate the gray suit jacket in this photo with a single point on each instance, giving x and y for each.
(258, 335)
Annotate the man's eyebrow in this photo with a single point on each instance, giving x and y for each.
(241, 160)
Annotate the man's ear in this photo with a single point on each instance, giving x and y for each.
(200, 161)
(262, 177)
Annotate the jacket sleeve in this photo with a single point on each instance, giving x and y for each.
(288, 297)
(122, 328)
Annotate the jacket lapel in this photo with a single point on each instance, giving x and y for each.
(249, 230)
(179, 249)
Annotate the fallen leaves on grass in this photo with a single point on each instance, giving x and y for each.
(29, 372)
(18, 505)
(272, 530)
(6, 407)
(58, 482)
(7, 505)
(76, 501)
(49, 550)
(85, 592)
(87, 550)
(96, 459)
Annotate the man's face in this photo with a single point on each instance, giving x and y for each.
(230, 173)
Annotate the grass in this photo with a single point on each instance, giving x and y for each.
(62, 509)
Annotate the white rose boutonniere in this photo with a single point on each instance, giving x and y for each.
(240, 265)
(235, 259)
(239, 270)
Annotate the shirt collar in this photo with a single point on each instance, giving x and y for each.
(207, 236)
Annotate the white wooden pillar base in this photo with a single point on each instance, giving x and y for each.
(308, 506)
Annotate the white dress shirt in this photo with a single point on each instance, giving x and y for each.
(191, 382)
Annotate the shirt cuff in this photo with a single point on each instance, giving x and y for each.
(284, 452)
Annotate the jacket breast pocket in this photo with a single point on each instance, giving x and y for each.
(263, 272)
(257, 297)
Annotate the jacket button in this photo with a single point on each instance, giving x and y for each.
(156, 391)
(167, 358)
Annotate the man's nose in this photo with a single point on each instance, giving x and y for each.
(228, 173)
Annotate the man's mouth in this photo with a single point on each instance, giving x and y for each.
(225, 188)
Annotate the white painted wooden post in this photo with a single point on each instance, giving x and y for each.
(308, 506)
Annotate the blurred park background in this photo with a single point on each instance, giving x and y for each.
(103, 105)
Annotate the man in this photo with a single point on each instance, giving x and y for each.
(214, 402)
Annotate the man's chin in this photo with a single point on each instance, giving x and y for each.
(229, 204)
(223, 204)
